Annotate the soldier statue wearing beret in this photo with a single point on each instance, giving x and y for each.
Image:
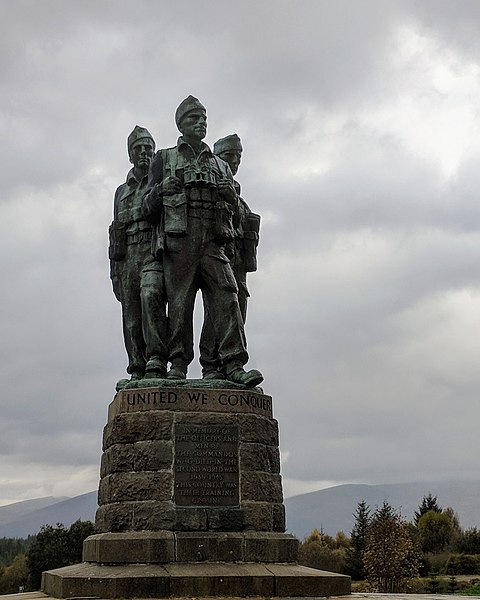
(137, 277)
(193, 202)
(243, 253)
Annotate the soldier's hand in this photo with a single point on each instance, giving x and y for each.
(170, 185)
(227, 190)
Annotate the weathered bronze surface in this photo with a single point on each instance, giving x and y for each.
(182, 230)
(243, 253)
(137, 277)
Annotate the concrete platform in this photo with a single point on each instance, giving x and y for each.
(192, 579)
(355, 596)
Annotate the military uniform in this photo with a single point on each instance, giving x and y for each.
(240, 267)
(138, 281)
(243, 257)
(193, 229)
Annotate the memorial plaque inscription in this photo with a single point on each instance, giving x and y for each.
(206, 471)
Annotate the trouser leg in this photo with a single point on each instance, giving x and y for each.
(243, 295)
(181, 281)
(154, 319)
(221, 301)
(132, 314)
(208, 346)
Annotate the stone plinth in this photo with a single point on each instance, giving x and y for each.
(220, 445)
(190, 502)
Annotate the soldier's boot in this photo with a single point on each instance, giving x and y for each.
(134, 376)
(156, 368)
(178, 370)
(249, 379)
(212, 373)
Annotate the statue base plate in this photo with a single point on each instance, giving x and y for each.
(192, 579)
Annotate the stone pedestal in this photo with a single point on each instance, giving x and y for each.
(190, 502)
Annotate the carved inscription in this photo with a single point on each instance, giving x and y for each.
(191, 400)
(206, 465)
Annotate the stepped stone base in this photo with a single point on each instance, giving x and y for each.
(190, 546)
(192, 579)
(190, 503)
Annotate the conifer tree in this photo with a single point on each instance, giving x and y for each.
(429, 503)
(358, 542)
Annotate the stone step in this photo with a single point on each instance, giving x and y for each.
(192, 579)
(190, 546)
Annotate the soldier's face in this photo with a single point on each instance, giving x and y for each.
(141, 154)
(194, 125)
(233, 158)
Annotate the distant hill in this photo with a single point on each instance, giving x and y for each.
(12, 512)
(24, 518)
(332, 509)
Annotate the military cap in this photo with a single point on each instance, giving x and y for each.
(139, 133)
(190, 103)
(229, 142)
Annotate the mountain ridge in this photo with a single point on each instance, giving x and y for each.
(330, 509)
(13, 511)
(65, 511)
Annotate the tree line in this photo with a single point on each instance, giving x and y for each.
(384, 550)
(22, 561)
(389, 553)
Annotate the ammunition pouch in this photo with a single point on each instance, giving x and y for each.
(250, 242)
(175, 214)
(117, 247)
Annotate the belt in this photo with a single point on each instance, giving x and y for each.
(139, 237)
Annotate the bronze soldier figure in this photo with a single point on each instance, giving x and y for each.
(137, 277)
(243, 254)
(192, 200)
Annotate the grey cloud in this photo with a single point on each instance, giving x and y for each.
(453, 23)
(357, 304)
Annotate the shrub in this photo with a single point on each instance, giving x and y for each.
(463, 564)
(56, 547)
(474, 590)
(321, 551)
(435, 563)
(391, 559)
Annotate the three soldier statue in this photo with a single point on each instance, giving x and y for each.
(179, 227)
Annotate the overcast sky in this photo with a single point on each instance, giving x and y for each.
(360, 121)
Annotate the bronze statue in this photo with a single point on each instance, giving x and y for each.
(137, 277)
(243, 254)
(192, 202)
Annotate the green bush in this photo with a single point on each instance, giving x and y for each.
(468, 541)
(321, 551)
(474, 590)
(14, 576)
(463, 564)
(433, 585)
(56, 547)
(435, 563)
